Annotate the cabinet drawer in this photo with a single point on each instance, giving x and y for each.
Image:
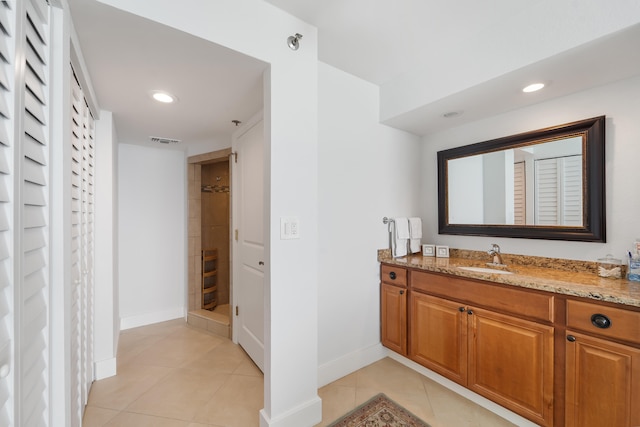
(393, 275)
(511, 300)
(619, 323)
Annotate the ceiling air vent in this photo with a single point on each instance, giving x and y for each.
(157, 139)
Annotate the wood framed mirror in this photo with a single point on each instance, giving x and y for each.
(543, 184)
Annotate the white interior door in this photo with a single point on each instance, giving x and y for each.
(248, 270)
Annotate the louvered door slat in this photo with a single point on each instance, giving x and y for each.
(33, 216)
(33, 284)
(5, 253)
(4, 194)
(4, 107)
(34, 172)
(34, 195)
(33, 239)
(34, 107)
(34, 129)
(34, 85)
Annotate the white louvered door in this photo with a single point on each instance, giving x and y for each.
(32, 246)
(87, 252)
(25, 231)
(76, 251)
(82, 250)
(7, 55)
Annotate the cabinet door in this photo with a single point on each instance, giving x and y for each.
(511, 363)
(602, 383)
(438, 336)
(393, 300)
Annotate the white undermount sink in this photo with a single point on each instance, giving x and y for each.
(485, 270)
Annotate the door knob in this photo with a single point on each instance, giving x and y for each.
(260, 262)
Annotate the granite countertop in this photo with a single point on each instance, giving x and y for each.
(567, 277)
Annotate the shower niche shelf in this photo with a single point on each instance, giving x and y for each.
(209, 278)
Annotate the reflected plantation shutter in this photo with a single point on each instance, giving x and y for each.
(572, 191)
(519, 194)
(7, 42)
(558, 198)
(32, 345)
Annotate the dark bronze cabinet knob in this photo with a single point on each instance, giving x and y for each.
(392, 275)
(571, 338)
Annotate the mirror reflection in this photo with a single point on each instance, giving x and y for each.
(539, 184)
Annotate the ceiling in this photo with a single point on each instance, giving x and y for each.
(128, 57)
(385, 43)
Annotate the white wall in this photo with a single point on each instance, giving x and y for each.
(151, 234)
(258, 29)
(202, 147)
(107, 313)
(366, 171)
(465, 188)
(619, 102)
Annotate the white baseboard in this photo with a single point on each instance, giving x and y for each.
(150, 318)
(105, 368)
(462, 391)
(307, 414)
(338, 368)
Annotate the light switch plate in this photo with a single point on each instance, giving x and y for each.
(289, 228)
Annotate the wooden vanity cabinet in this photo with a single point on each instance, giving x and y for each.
(552, 359)
(439, 335)
(500, 355)
(393, 308)
(511, 362)
(602, 366)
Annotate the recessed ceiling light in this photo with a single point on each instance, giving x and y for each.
(164, 97)
(533, 87)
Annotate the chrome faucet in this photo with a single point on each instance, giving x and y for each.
(494, 252)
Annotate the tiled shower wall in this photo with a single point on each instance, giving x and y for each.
(195, 167)
(215, 221)
(195, 235)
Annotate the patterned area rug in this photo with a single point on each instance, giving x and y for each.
(379, 411)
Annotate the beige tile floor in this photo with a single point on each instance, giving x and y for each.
(174, 375)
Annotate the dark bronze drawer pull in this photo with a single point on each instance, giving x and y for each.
(392, 275)
(600, 321)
